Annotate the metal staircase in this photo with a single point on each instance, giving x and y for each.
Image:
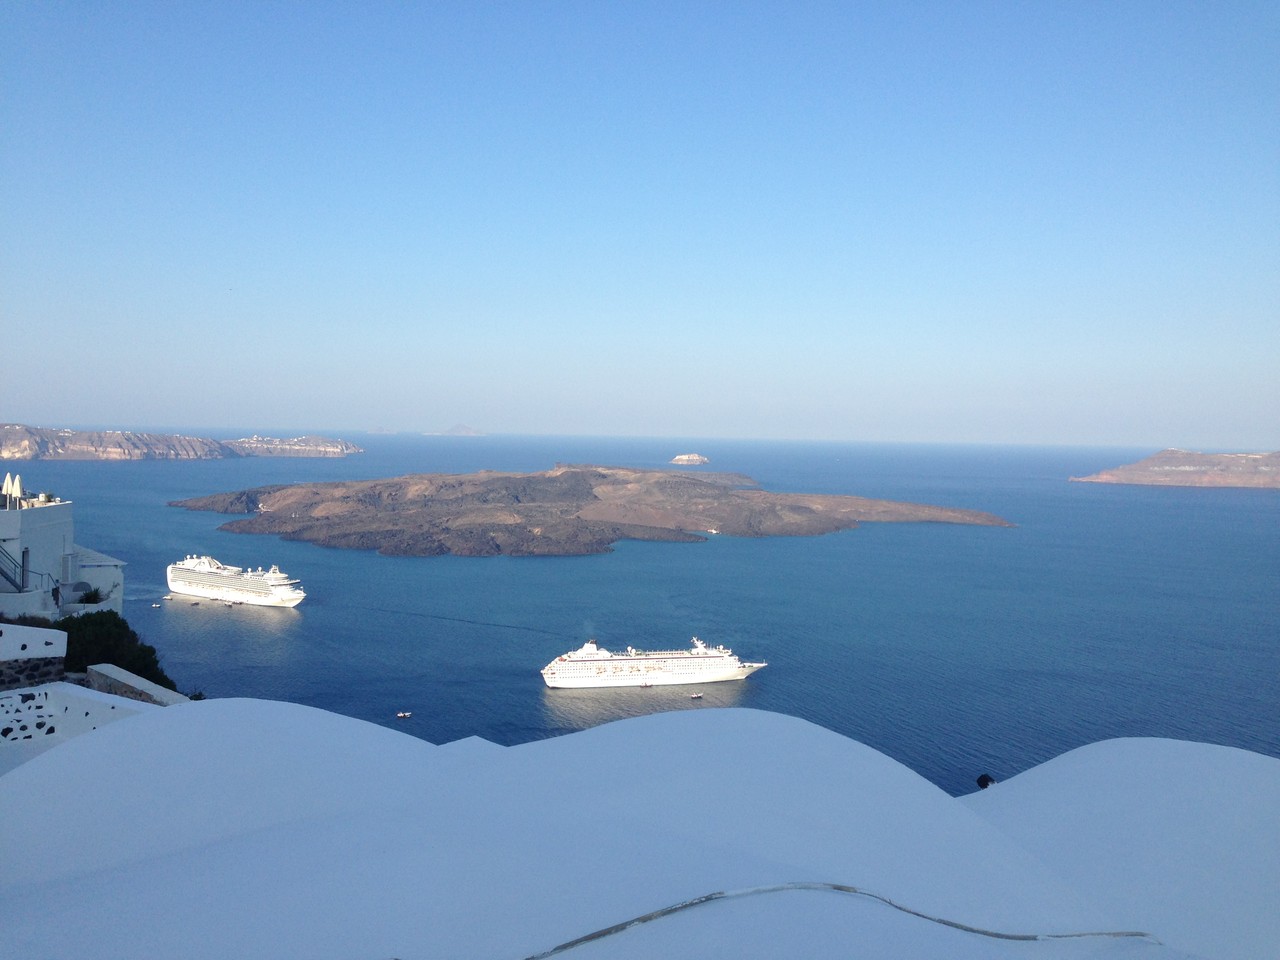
(13, 570)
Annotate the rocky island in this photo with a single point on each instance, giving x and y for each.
(19, 442)
(1183, 468)
(567, 511)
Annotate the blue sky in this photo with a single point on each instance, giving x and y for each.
(959, 222)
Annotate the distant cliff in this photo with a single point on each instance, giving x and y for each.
(297, 447)
(18, 442)
(567, 511)
(1182, 468)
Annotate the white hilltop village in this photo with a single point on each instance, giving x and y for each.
(135, 823)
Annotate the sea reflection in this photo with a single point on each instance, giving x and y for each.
(568, 710)
(210, 631)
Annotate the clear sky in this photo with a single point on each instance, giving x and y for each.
(969, 222)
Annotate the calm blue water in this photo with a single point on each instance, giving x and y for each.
(1107, 611)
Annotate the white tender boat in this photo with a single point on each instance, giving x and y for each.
(592, 666)
(206, 577)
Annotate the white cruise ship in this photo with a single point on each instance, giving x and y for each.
(206, 577)
(591, 666)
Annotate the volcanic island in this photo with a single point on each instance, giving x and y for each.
(566, 511)
(1185, 468)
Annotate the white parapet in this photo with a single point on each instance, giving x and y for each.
(18, 642)
(108, 678)
(34, 719)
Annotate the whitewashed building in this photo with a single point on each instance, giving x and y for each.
(43, 571)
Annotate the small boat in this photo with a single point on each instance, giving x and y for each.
(695, 696)
(155, 604)
(404, 714)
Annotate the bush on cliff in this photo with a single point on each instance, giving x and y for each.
(106, 637)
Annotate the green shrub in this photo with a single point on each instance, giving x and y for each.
(106, 637)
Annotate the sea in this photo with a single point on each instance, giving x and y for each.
(1104, 611)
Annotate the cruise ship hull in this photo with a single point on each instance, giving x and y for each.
(592, 667)
(619, 677)
(209, 580)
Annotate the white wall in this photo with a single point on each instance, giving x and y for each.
(27, 643)
(47, 532)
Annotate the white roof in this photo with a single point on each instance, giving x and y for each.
(257, 829)
(87, 557)
(1183, 837)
